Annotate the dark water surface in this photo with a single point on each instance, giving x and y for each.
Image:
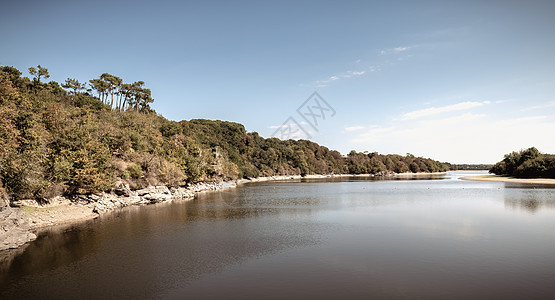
(326, 239)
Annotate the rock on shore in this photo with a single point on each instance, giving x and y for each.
(17, 224)
(14, 226)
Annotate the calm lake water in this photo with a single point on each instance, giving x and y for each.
(352, 238)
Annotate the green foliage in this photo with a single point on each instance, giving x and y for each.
(87, 101)
(374, 163)
(53, 142)
(12, 74)
(135, 171)
(465, 167)
(39, 72)
(170, 128)
(117, 95)
(529, 163)
(90, 172)
(74, 85)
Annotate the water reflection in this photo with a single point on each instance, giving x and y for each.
(6, 259)
(52, 248)
(344, 237)
(529, 198)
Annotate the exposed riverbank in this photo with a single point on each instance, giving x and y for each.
(20, 223)
(498, 178)
(32, 217)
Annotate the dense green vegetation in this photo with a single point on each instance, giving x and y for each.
(468, 167)
(529, 163)
(65, 139)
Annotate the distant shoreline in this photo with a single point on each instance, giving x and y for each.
(419, 174)
(497, 178)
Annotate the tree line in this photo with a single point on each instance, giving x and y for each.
(122, 96)
(110, 89)
(528, 163)
(73, 139)
(469, 167)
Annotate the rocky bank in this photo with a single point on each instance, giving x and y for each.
(14, 225)
(19, 223)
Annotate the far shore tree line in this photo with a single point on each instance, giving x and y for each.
(469, 167)
(528, 163)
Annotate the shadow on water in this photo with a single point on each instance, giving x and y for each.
(356, 236)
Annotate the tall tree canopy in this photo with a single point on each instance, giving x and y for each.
(39, 72)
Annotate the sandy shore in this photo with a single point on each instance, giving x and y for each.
(497, 178)
(61, 214)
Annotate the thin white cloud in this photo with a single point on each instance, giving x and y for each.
(426, 112)
(546, 105)
(350, 74)
(404, 57)
(374, 133)
(342, 75)
(396, 50)
(354, 128)
(353, 73)
(358, 73)
(374, 68)
(278, 126)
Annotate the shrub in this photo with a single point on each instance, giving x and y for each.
(134, 171)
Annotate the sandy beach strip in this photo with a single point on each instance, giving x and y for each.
(498, 178)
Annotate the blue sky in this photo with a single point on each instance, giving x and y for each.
(464, 82)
